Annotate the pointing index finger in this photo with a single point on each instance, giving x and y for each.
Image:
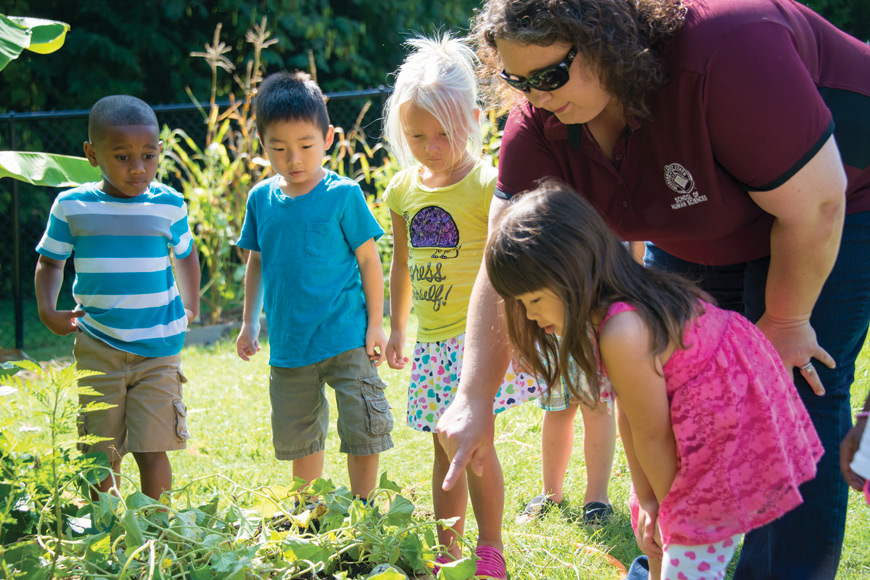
(457, 468)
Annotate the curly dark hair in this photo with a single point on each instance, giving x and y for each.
(620, 38)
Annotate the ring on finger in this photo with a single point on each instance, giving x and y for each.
(808, 368)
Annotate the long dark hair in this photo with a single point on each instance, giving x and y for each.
(553, 239)
(620, 38)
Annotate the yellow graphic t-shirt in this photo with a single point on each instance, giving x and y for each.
(447, 229)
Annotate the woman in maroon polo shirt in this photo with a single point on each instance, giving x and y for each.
(732, 134)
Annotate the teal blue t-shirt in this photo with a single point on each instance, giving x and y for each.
(312, 291)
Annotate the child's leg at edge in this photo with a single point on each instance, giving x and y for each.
(112, 480)
(487, 500)
(155, 472)
(309, 467)
(448, 504)
(362, 470)
(557, 441)
(599, 446)
(655, 568)
(695, 562)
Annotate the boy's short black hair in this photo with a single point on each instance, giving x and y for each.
(286, 96)
(118, 111)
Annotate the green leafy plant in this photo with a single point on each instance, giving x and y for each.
(352, 156)
(492, 133)
(50, 528)
(216, 174)
(325, 535)
(18, 34)
(40, 478)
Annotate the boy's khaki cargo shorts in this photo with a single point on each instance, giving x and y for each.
(149, 414)
(300, 411)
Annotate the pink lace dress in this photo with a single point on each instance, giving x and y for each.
(744, 439)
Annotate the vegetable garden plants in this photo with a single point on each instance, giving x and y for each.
(50, 528)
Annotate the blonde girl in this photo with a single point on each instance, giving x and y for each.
(439, 205)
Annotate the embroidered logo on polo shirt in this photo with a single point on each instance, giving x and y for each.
(680, 180)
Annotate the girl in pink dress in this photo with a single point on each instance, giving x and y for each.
(716, 437)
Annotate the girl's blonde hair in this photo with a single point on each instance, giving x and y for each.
(438, 76)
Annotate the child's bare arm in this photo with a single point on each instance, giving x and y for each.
(372, 275)
(187, 274)
(850, 445)
(400, 294)
(48, 281)
(647, 502)
(642, 395)
(644, 421)
(642, 488)
(248, 344)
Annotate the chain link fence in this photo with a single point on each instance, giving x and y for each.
(25, 207)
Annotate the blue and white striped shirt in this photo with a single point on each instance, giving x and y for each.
(124, 280)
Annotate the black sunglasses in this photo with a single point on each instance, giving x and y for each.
(548, 79)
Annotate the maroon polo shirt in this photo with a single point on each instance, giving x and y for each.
(755, 89)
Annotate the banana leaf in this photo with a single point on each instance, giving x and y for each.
(47, 169)
(35, 34)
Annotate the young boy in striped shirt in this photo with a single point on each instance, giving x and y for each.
(130, 316)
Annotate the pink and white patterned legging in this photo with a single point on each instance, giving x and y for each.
(706, 562)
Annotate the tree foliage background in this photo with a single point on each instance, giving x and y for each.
(143, 48)
(853, 16)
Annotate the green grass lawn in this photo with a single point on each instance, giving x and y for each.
(228, 406)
